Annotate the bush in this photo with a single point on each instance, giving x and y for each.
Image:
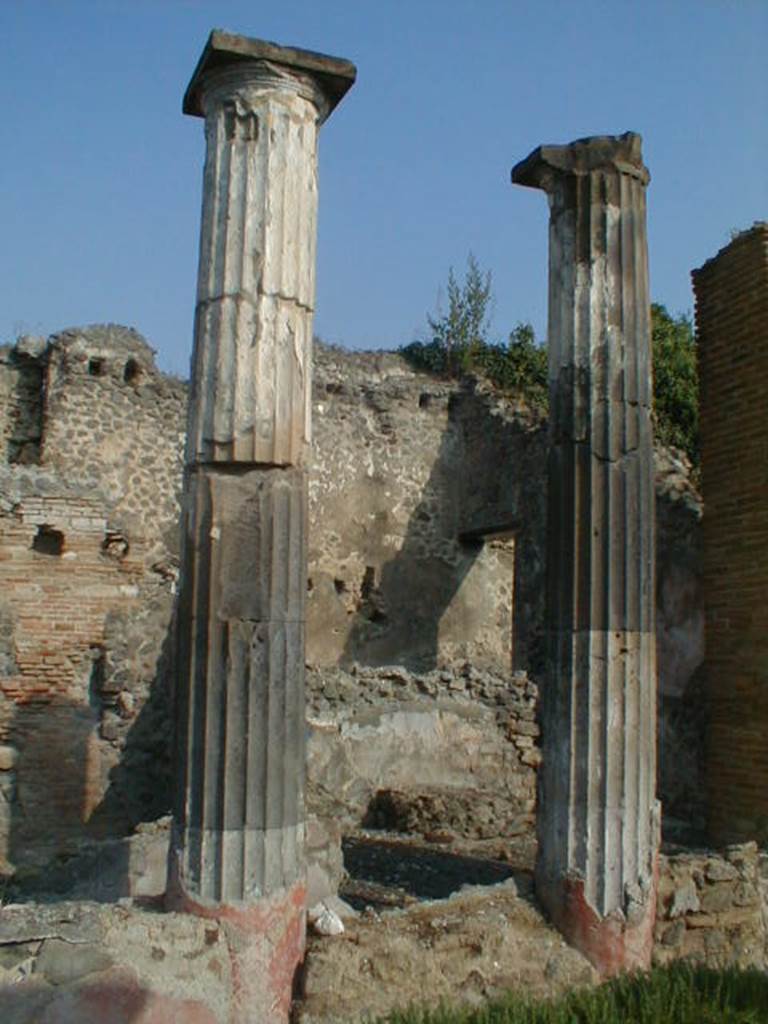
(519, 367)
(675, 381)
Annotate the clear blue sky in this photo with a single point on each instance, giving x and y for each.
(101, 173)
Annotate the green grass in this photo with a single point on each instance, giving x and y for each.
(679, 994)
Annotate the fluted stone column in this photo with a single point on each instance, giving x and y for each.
(237, 846)
(598, 815)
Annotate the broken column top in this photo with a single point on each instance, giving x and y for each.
(598, 152)
(334, 75)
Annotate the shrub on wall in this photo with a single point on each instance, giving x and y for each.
(458, 344)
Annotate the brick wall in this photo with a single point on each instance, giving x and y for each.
(59, 583)
(732, 329)
(91, 437)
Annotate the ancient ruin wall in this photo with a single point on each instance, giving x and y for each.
(88, 521)
(408, 472)
(731, 317)
(110, 417)
(21, 402)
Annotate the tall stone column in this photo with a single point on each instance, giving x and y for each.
(237, 845)
(598, 816)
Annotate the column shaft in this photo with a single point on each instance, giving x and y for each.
(240, 719)
(598, 819)
(237, 850)
(240, 716)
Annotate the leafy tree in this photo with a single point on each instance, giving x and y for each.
(675, 381)
(462, 332)
(459, 341)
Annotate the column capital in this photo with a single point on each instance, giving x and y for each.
(332, 77)
(546, 164)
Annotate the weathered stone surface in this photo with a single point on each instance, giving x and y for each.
(324, 920)
(396, 472)
(333, 75)
(325, 863)
(598, 821)
(71, 922)
(108, 870)
(685, 900)
(466, 949)
(25, 1001)
(419, 753)
(61, 962)
(246, 539)
(9, 757)
(717, 870)
(240, 820)
(166, 966)
(477, 943)
(710, 908)
(250, 398)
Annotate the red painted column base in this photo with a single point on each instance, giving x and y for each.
(266, 947)
(612, 944)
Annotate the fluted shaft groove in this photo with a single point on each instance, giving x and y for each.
(598, 818)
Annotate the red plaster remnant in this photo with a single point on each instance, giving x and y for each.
(118, 997)
(266, 947)
(611, 944)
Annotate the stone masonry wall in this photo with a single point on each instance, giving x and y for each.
(450, 753)
(112, 418)
(410, 473)
(732, 330)
(712, 907)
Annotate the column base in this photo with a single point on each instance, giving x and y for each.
(612, 944)
(266, 947)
